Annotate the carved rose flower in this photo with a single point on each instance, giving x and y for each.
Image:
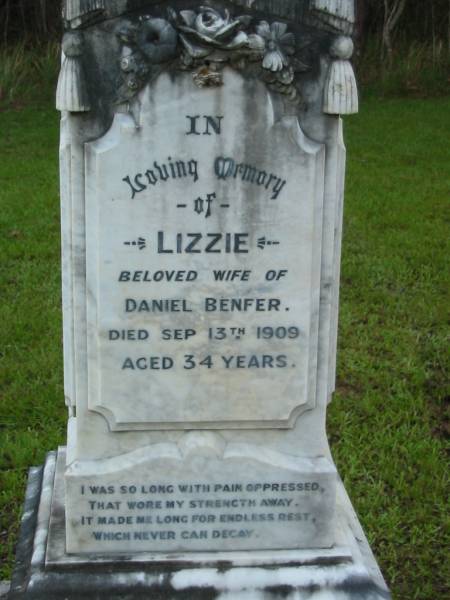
(279, 45)
(207, 29)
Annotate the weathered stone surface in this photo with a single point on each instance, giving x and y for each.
(4, 589)
(203, 261)
(163, 499)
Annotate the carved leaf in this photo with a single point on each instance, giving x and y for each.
(227, 31)
(195, 51)
(273, 61)
(188, 17)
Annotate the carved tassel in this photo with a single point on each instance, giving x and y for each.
(341, 91)
(337, 15)
(71, 93)
(73, 9)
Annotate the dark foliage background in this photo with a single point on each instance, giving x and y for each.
(30, 20)
(419, 21)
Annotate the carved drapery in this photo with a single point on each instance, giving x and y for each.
(205, 39)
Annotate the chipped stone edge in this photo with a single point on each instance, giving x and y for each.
(43, 517)
(21, 573)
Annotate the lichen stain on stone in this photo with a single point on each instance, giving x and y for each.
(200, 593)
(208, 76)
(223, 566)
(359, 588)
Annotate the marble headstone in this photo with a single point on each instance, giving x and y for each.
(202, 176)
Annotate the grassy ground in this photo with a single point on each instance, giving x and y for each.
(388, 422)
(31, 411)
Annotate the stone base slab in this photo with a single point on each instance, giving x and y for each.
(348, 571)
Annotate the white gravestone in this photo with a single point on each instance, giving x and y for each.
(203, 254)
(202, 170)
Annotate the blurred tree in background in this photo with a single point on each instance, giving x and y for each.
(29, 20)
(411, 20)
(387, 20)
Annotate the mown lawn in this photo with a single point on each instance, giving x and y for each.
(389, 421)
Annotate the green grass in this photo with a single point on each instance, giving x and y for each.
(31, 407)
(389, 420)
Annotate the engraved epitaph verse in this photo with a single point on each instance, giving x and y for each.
(171, 503)
(198, 515)
(202, 257)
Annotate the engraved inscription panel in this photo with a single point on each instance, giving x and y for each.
(157, 500)
(204, 217)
